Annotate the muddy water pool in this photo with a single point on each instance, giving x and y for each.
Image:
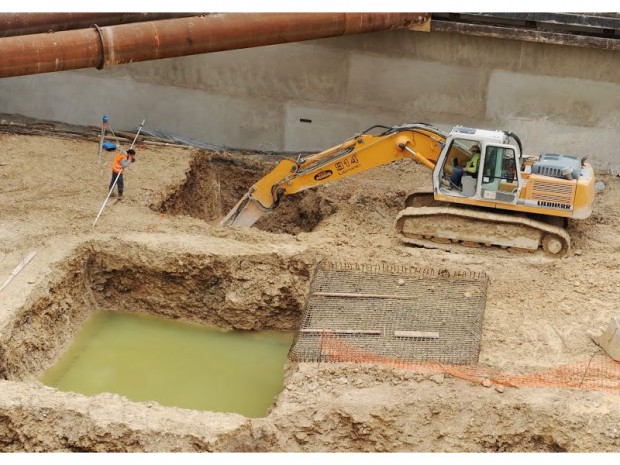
(146, 358)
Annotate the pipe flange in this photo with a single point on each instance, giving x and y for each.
(102, 63)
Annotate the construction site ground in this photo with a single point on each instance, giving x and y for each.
(161, 251)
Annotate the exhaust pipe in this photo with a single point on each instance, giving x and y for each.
(567, 173)
(99, 47)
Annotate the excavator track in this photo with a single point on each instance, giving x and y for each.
(451, 228)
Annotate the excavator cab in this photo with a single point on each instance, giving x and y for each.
(497, 177)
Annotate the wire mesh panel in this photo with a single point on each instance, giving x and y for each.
(358, 312)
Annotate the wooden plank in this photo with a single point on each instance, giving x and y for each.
(363, 296)
(18, 269)
(424, 334)
(423, 26)
(342, 331)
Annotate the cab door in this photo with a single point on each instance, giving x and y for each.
(500, 177)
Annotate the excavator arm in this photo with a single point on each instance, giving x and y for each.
(362, 152)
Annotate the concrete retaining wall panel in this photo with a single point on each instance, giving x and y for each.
(278, 72)
(424, 88)
(329, 126)
(576, 102)
(79, 99)
(454, 49)
(486, 53)
(546, 136)
(565, 61)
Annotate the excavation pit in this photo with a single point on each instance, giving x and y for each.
(174, 363)
(253, 293)
(216, 181)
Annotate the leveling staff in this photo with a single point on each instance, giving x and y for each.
(121, 161)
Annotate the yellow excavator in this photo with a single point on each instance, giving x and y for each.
(505, 199)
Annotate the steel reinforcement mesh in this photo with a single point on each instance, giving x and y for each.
(401, 313)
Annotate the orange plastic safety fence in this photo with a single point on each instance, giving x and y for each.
(595, 373)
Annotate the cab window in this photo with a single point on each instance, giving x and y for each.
(499, 163)
(458, 155)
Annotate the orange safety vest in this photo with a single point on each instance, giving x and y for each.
(117, 167)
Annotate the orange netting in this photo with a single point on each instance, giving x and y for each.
(594, 373)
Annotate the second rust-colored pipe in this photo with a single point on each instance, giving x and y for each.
(119, 44)
(17, 24)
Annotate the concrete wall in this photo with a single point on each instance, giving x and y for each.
(556, 98)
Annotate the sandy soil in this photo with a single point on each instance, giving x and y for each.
(537, 315)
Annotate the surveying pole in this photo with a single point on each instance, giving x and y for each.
(105, 202)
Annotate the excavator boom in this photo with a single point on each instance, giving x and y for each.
(362, 152)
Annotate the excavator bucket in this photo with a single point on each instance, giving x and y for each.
(244, 214)
(259, 199)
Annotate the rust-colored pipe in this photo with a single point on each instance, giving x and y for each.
(15, 24)
(114, 45)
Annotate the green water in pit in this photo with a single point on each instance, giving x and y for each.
(174, 363)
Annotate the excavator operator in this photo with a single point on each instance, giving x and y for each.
(471, 167)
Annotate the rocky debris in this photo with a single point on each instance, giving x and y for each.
(609, 339)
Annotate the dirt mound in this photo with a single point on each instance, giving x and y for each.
(216, 181)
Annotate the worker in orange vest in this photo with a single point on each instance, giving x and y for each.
(121, 161)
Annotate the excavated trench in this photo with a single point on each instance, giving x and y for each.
(244, 292)
(216, 181)
(252, 291)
